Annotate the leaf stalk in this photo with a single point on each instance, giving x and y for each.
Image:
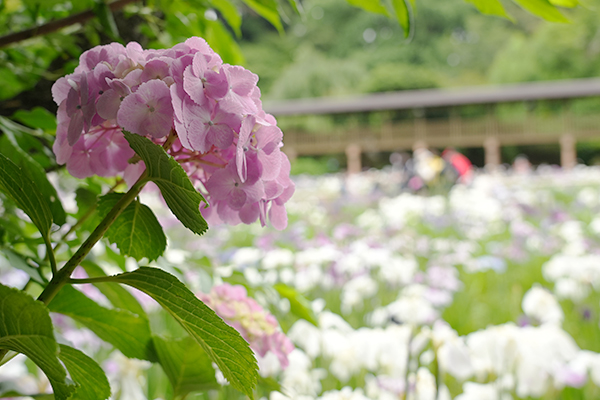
(63, 275)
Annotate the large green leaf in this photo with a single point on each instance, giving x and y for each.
(121, 328)
(268, 10)
(542, 8)
(15, 183)
(403, 14)
(373, 6)
(118, 296)
(230, 14)
(92, 381)
(187, 366)
(174, 184)
(36, 173)
(565, 3)
(136, 232)
(490, 7)
(221, 342)
(37, 117)
(299, 306)
(26, 328)
(219, 38)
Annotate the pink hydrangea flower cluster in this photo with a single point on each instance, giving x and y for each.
(256, 325)
(224, 139)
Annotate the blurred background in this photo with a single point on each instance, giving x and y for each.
(330, 48)
(444, 238)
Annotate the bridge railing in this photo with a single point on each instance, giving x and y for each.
(437, 121)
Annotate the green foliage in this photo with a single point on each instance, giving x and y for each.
(543, 9)
(314, 166)
(489, 7)
(106, 19)
(268, 10)
(34, 171)
(92, 381)
(28, 330)
(37, 117)
(399, 76)
(119, 297)
(299, 305)
(553, 51)
(17, 185)
(127, 332)
(15, 260)
(187, 366)
(174, 184)
(370, 6)
(222, 343)
(136, 232)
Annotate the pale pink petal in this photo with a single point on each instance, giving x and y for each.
(278, 216)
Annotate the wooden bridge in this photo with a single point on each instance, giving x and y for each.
(439, 118)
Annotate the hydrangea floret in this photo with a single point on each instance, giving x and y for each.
(206, 113)
(257, 326)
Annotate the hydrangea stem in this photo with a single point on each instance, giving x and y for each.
(62, 276)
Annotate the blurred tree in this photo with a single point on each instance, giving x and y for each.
(553, 51)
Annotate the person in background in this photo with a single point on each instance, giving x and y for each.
(460, 163)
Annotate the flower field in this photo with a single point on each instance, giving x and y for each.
(488, 292)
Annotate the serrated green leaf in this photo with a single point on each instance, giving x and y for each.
(490, 7)
(33, 170)
(121, 328)
(223, 344)
(299, 306)
(174, 184)
(37, 117)
(27, 329)
(118, 296)
(543, 9)
(268, 10)
(92, 381)
(187, 366)
(20, 189)
(402, 14)
(230, 14)
(136, 232)
(373, 6)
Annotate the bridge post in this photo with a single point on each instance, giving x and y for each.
(491, 147)
(353, 153)
(568, 151)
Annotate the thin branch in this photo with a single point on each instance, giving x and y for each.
(97, 279)
(50, 255)
(64, 274)
(84, 218)
(54, 26)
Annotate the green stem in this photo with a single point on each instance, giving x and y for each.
(50, 254)
(84, 218)
(62, 276)
(98, 279)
